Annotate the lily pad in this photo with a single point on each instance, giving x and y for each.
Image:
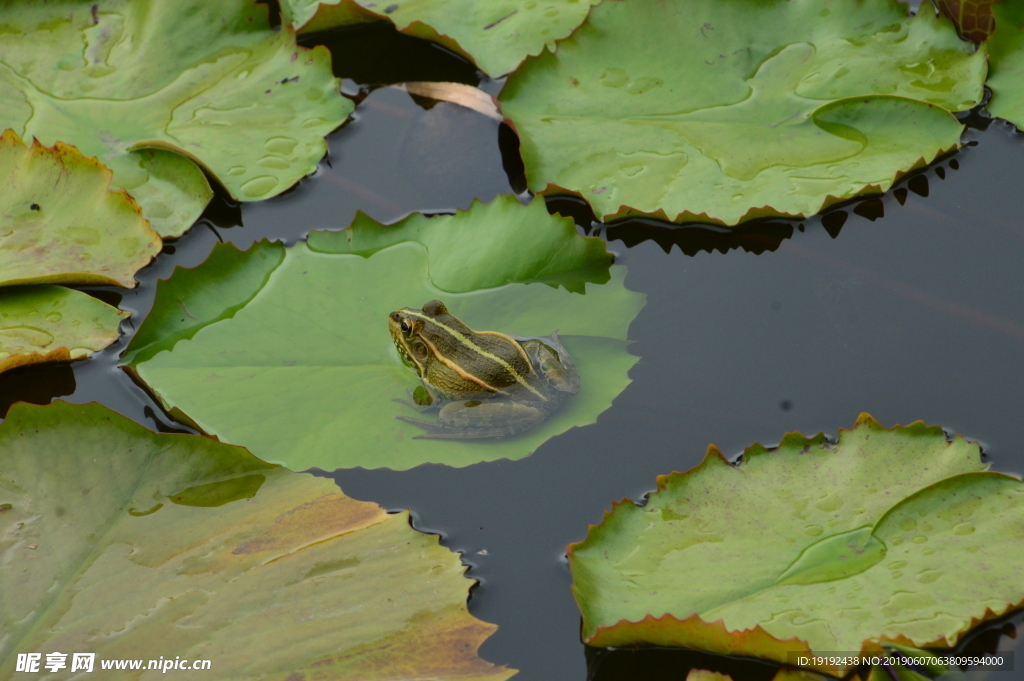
(889, 535)
(496, 35)
(61, 224)
(728, 110)
(213, 554)
(210, 82)
(53, 324)
(1006, 68)
(488, 246)
(305, 371)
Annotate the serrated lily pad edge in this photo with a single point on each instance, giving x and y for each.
(715, 637)
(119, 195)
(624, 212)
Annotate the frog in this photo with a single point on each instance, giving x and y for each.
(483, 384)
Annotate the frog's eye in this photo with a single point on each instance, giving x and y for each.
(405, 327)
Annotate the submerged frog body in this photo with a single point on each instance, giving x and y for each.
(484, 383)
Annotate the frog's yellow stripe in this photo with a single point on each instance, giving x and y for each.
(475, 348)
(460, 371)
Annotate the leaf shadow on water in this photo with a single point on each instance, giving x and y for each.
(755, 236)
(36, 384)
(377, 54)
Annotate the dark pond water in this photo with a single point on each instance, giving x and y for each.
(908, 307)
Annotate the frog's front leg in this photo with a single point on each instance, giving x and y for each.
(476, 419)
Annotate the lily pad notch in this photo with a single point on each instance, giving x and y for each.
(62, 224)
(724, 111)
(809, 547)
(220, 90)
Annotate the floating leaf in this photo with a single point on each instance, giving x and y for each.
(194, 298)
(496, 35)
(305, 371)
(209, 81)
(213, 554)
(53, 324)
(491, 245)
(1006, 69)
(973, 18)
(889, 535)
(60, 223)
(728, 110)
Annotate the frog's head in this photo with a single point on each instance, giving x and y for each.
(410, 329)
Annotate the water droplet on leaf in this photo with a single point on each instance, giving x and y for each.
(259, 186)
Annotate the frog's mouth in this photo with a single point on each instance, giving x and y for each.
(406, 358)
(403, 352)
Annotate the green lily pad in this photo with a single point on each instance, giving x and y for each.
(60, 223)
(728, 110)
(210, 82)
(194, 298)
(1006, 67)
(304, 371)
(890, 535)
(468, 254)
(213, 554)
(53, 324)
(496, 35)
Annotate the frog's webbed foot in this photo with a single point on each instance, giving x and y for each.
(417, 407)
(476, 420)
(441, 431)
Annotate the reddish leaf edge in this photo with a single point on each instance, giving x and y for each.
(460, 630)
(695, 633)
(15, 361)
(58, 152)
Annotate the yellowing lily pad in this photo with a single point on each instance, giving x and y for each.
(496, 35)
(60, 223)
(53, 324)
(1006, 70)
(300, 365)
(130, 81)
(728, 110)
(136, 545)
(889, 535)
